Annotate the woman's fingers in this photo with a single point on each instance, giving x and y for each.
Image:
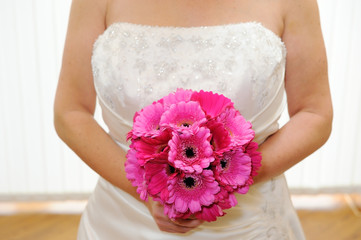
(173, 228)
(172, 225)
(190, 223)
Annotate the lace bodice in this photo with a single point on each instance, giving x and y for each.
(134, 65)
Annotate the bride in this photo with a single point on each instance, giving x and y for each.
(129, 53)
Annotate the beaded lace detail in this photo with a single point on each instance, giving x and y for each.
(148, 61)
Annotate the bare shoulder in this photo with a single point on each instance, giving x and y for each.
(299, 8)
(89, 14)
(86, 22)
(300, 17)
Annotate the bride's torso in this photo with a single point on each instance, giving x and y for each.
(135, 64)
(138, 60)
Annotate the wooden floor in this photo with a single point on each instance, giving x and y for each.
(341, 221)
(38, 227)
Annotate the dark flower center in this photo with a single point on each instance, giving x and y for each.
(209, 167)
(223, 164)
(212, 142)
(161, 148)
(189, 182)
(189, 151)
(171, 169)
(185, 124)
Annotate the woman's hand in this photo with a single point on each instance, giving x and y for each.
(171, 225)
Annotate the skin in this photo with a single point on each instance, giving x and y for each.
(306, 80)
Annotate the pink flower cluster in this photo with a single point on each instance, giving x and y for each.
(192, 151)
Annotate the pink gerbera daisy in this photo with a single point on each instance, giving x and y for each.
(223, 200)
(171, 212)
(180, 95)
(146, 124)
(212, 103)
(189, 192)
(150, 148)
(226, 199)
(239, 129)
(220, 137)
(191, 150)
(158, 172)
(233, 168)
(210, 213)
(256, 157)
(251, 151)
(183, 115)
(136, 174)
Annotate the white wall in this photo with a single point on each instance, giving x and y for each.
(34, 162)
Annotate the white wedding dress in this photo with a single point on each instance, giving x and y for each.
(134, 65)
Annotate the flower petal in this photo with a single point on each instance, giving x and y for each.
(234, 168)
(183, 115)
(180, 95)
(191, 150)
(192, 191)
(136, 174)
(146, 123)
(212, 103)
(239, 129)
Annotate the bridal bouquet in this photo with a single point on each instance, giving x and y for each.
(191, 151)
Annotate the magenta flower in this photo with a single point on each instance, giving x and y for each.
(189, 192)
(191, 150)
(151, 148)
(210, 213)
(256, 157)
(251, 151)
(212, 103)
(233, 168)
(225, 199)
(146, 124)
(136, 174)
(183, 115)
(239, 129)
(180, 95)
(221, 140)
(170, 210)
(158, 172)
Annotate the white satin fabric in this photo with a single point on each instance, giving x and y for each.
(134, 65)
